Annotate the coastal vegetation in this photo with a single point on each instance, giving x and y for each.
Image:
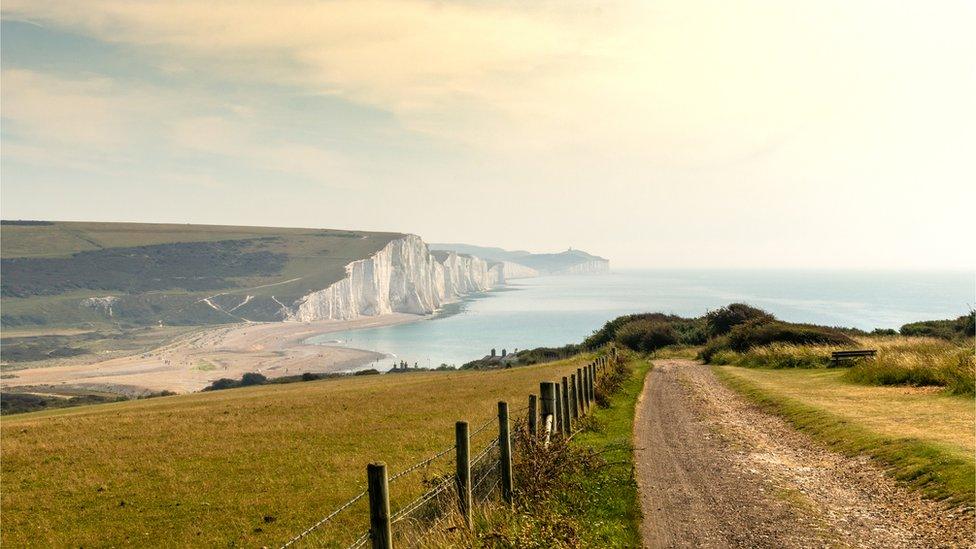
(741, 335)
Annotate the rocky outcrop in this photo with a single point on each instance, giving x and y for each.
(403, 277)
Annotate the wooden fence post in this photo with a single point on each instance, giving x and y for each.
(462, 442)
(586, 387)
(379, 506)
(574, 402)
(547, 392)
(579, 392)
(505, 451)
(592, 383)
(533, 415)
(558, 411)
(567, 422)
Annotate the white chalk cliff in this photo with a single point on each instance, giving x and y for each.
(403, 277)
(517, 270)
(593, 266)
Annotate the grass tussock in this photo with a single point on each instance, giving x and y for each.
(911, 361)
(919, 364)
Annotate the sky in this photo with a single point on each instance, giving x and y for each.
(672, 134)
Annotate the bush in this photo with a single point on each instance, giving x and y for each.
(712, 348)
(252, 378)
(610, 384)
(222, 383)
(759, 332)
(688, 331)
(964, 326)
(646, 335)
(721, 321)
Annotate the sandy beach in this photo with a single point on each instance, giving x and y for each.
(195, 360)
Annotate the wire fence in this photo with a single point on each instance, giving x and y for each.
(410, 522)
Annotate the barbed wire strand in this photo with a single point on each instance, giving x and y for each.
(491, 471)
(420, 464)
(360, 541)
(484, 426)
(419, 502)
(490, 447)
(327, 518)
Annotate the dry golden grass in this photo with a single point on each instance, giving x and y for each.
(240, 467)
(901, 412)
(910, 361)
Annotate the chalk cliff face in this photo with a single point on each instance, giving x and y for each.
(403, 277)
(517, 270)
(596, 266)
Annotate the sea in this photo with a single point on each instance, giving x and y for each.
(556, 310)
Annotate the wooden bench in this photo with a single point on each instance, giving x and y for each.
(840, 356)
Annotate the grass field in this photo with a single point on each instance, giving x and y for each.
(243, 467)
(925, 437)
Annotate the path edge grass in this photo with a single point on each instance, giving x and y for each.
(925, 466)
(614, 518)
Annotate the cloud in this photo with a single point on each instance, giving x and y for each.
(838, 120)
(79, 112)
(686, 83)
(103, 125)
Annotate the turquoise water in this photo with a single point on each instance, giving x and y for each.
(552, 311)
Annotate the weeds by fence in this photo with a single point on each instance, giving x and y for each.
(563, 408)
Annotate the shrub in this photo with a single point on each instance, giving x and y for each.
(964, 326)
(252, 378)
(759, 332)
(222, 383)
(712, 348)
(610, 384)
(646, 335)
(721, 321)
(688, 331)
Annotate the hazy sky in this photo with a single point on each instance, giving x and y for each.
(673, 133)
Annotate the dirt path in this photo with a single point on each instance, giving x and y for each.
(714, 471)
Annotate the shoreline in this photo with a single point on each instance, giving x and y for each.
(197, 359)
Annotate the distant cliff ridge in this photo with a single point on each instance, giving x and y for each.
(569, 262)
(403, 277)
(94, 275)
(408, 276)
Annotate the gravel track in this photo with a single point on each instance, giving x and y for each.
(714, 471)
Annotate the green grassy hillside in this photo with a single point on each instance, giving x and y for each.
(59, 274)
(242, 467)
